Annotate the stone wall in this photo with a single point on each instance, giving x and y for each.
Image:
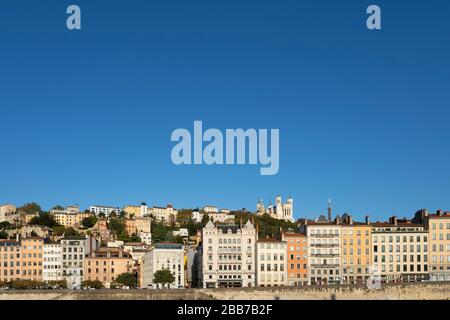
(420, 291)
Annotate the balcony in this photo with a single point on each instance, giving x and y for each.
(324, 265)
(325, 255)
(323, 235)
(324, 245)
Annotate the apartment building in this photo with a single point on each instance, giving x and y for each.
(52, 262)
(400, 250)
(74, 249)
(137, 225)
(221, 217)
(438, 227)
(10, 260)
(168, 256)
(136, 211)
(70, 216)
(356, 250)
(228, 255)
(210, 209)
(9, 213)
(324, 250)
(106, 264)
(297, 258)
(32, 258)
(271, 263)
(166, 215)
(106, 210)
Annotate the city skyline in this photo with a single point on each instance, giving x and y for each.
(363, 116)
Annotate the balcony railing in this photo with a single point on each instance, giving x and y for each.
(324, 245)
(324, 265)
(323, 235)
(325, 255)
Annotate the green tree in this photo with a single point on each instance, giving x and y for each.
(89, 222)
(92, 284)
(127, 279)
(5, 225)
(58, 207)
(70, 232)
(3, 235)
(163, 277)
(117, 226)
(31, 207)
(44, 219)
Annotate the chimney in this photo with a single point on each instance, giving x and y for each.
(350, 220)
(393, 220)
(337, 220)
(17, 237)
(367, 220)
(439, 212)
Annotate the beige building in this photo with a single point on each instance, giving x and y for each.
(136, 211)
(9, 213)
(228, 255)
(70, 217)
(324, 250)
(271, 263)
(356, 250)
(400, 250)
(138, 225)
(106, 264)
(52, 262)
(166, 215)
(438, 227)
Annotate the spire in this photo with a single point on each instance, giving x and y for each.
(329, 209)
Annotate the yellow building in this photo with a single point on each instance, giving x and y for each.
(356, 249)
(438, 226)
(69, 219)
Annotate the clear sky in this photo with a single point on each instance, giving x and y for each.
(86, 116)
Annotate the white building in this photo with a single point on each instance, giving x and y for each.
(221, 217)
(271, 263)
(74, 249)
(228, 255)
(182, 232)
(197, 216)
(324, 251)
(52, 262)
(281, 211)
(161, 214)
(104, 209)
(169, 256)
(146, 237)
(210, 209)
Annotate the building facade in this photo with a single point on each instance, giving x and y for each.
(324, 251)
(106, 264)
(400, 251)
(70, 217)
(271, 263)
(356, 249)
(97, 210)
(52, 262)
(168, 256)
(74, 249)
(166, 215)
(297, 258)
(228, 255)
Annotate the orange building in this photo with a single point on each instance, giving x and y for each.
(106, 264)
(32, 258)
(297, 258)
(21, 260)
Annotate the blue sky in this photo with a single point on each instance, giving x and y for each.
(86, 116)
